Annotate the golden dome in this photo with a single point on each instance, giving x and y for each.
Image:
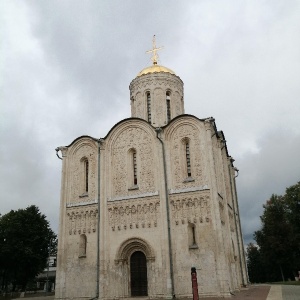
(155, 68)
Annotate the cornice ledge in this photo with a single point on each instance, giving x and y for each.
(82, 203)
(190, 189)
(136, 196)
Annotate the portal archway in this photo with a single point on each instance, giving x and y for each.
(134, 260)
(131, 245)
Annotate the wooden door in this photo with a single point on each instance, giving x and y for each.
(138, 274)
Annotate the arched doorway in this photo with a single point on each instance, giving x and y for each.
(138, 274)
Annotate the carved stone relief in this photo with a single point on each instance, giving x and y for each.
(177, 104)
(178, 157)
(139, 106)
(159, 109)
(133, 106)
(158, 85)
(165, 80)
(190, 208)
(77, 173)
(140, 140)
(82, 220)
(231, 221)
(133, 214)
(218, 166)
(222, 215)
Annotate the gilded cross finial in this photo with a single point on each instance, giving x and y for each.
(154, 50)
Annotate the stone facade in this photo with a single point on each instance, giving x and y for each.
(152, 199)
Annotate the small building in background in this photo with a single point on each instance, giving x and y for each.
(48, 275)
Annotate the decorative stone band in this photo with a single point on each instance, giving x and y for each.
(133, 196)
(134, 214)
(82, 221)
(190, 189)
(82, 203)
(191, 208)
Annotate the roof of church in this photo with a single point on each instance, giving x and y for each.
(155, 68)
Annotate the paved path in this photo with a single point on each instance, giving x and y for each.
(275, 293)
(266, 292)
(253, 292)
(290, 292)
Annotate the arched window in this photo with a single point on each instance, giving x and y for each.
(86, 176)
(82, 245)
(188, 158)
(192, 236)
(134, 167)
(168, 99)
(148, 106)
(132, 170)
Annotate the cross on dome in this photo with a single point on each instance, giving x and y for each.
(154, 50)
(155, 67)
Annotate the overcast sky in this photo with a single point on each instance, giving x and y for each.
(66, 67)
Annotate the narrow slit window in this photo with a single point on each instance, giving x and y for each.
(188, 159)
(149, 107)
(134, 168)
(193, 235)
(86, 171)
(168, 107)
(82, 245)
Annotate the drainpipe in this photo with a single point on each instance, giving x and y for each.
(98, 223)
(61, 249)
(238, 211)
(235, 222)
(158, 130)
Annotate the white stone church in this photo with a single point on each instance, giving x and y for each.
(153, 198)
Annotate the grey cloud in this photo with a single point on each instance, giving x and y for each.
(68, 65)
(270, 171)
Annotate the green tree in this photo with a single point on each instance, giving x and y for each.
(25, 241)
(292, 202)
(275, 240)
(255, 265)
